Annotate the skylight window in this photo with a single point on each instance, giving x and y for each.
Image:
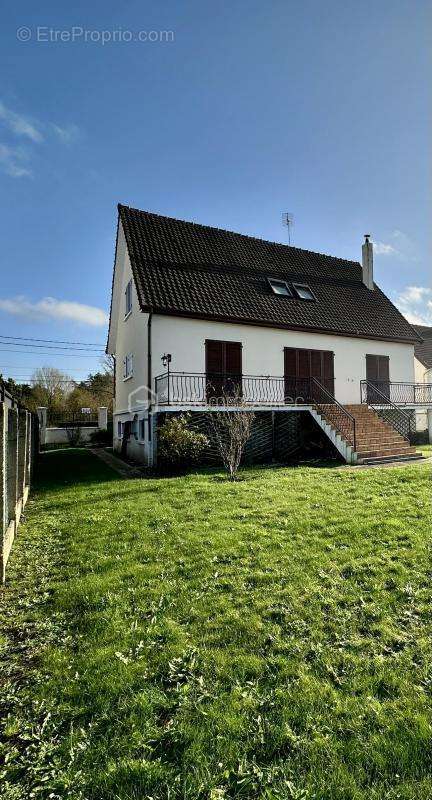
(280, 287)
(303, 291)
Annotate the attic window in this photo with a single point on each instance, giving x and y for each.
(280, 287)
(303, 291)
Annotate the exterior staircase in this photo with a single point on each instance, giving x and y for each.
(377, 441)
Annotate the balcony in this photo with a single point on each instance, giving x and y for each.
(396, 393)
(200, 389)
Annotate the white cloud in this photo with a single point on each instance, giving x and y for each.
(11, 161)
(383, 249)
(66, 134)
(19, 125)
(50, 308)
(415, 304)
(37, 132)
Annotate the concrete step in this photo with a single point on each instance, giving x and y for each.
(386, 451)
(390, 459)
(371, 444)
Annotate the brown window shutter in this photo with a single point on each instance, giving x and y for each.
(214, 357)
(233, 358)
(372, 368)
(290, 359)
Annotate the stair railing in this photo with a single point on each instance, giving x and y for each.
(376, 399)
(334, 412)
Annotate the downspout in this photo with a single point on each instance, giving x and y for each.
(149, 371)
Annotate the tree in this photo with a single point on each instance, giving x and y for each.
(231, 428)
(107, 363)
(51, 387)
(101, 386)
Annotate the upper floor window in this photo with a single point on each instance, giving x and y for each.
(280, 287)
(303, 291)
(128, 366)
(128, 298)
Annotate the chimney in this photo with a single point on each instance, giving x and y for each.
(367, 262)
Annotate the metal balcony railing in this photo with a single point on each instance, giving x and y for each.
(382, 405)
(200, 389)
(334, 412)
(197, 389)
(398, 393)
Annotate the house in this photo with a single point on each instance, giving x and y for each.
(306, 339)
(423, 375)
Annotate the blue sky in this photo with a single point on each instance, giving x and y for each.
(246, 110)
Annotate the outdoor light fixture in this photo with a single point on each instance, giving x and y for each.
(166, 359)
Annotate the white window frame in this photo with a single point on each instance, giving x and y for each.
(128, 367)
(297, 288)
(277, 281)
(128, 299)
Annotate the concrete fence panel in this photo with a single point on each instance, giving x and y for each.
(18, 450)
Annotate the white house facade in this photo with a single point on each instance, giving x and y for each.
(423, 376)
(196, 311)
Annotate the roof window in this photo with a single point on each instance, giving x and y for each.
(280, 287)
(303, 291)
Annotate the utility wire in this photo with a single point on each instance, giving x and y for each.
(51, 341)
(63, 355)
(52, 347)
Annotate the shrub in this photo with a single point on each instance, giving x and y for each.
(179, 446)
(74, 435)
(232, 429)
(103, 438)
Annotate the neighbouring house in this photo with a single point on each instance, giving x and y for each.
(309, 342)
(423, 375)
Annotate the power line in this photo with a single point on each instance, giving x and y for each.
(51, 341)
(14, 366)
(40, 383)
(52, 347)
(35, 352)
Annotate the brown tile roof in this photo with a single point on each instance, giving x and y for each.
(182, 268)
(423, 350)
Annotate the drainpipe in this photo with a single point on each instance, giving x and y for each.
(149, 371)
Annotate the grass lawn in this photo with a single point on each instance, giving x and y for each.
(191, 638)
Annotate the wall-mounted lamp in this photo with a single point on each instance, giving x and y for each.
(166, 359)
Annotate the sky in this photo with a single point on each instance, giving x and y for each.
(226, 113)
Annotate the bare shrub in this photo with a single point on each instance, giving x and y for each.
(73, 433)
(232, 428)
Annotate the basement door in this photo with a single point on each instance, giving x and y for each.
(377, 375)
(301, 365)
(223, 368)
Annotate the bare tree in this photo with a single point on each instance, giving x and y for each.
(231, 428)
(107, 363)
(51, 386)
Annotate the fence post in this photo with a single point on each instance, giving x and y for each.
(3, 490)
(42, 414)
(102, 418)
(22, 456)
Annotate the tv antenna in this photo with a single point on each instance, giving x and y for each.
(288, 221)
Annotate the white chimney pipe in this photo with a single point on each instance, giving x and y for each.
(367, 262)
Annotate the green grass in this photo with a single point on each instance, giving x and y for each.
(425, 450)
(192, 638)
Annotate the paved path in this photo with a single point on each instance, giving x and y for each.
(123, 469)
